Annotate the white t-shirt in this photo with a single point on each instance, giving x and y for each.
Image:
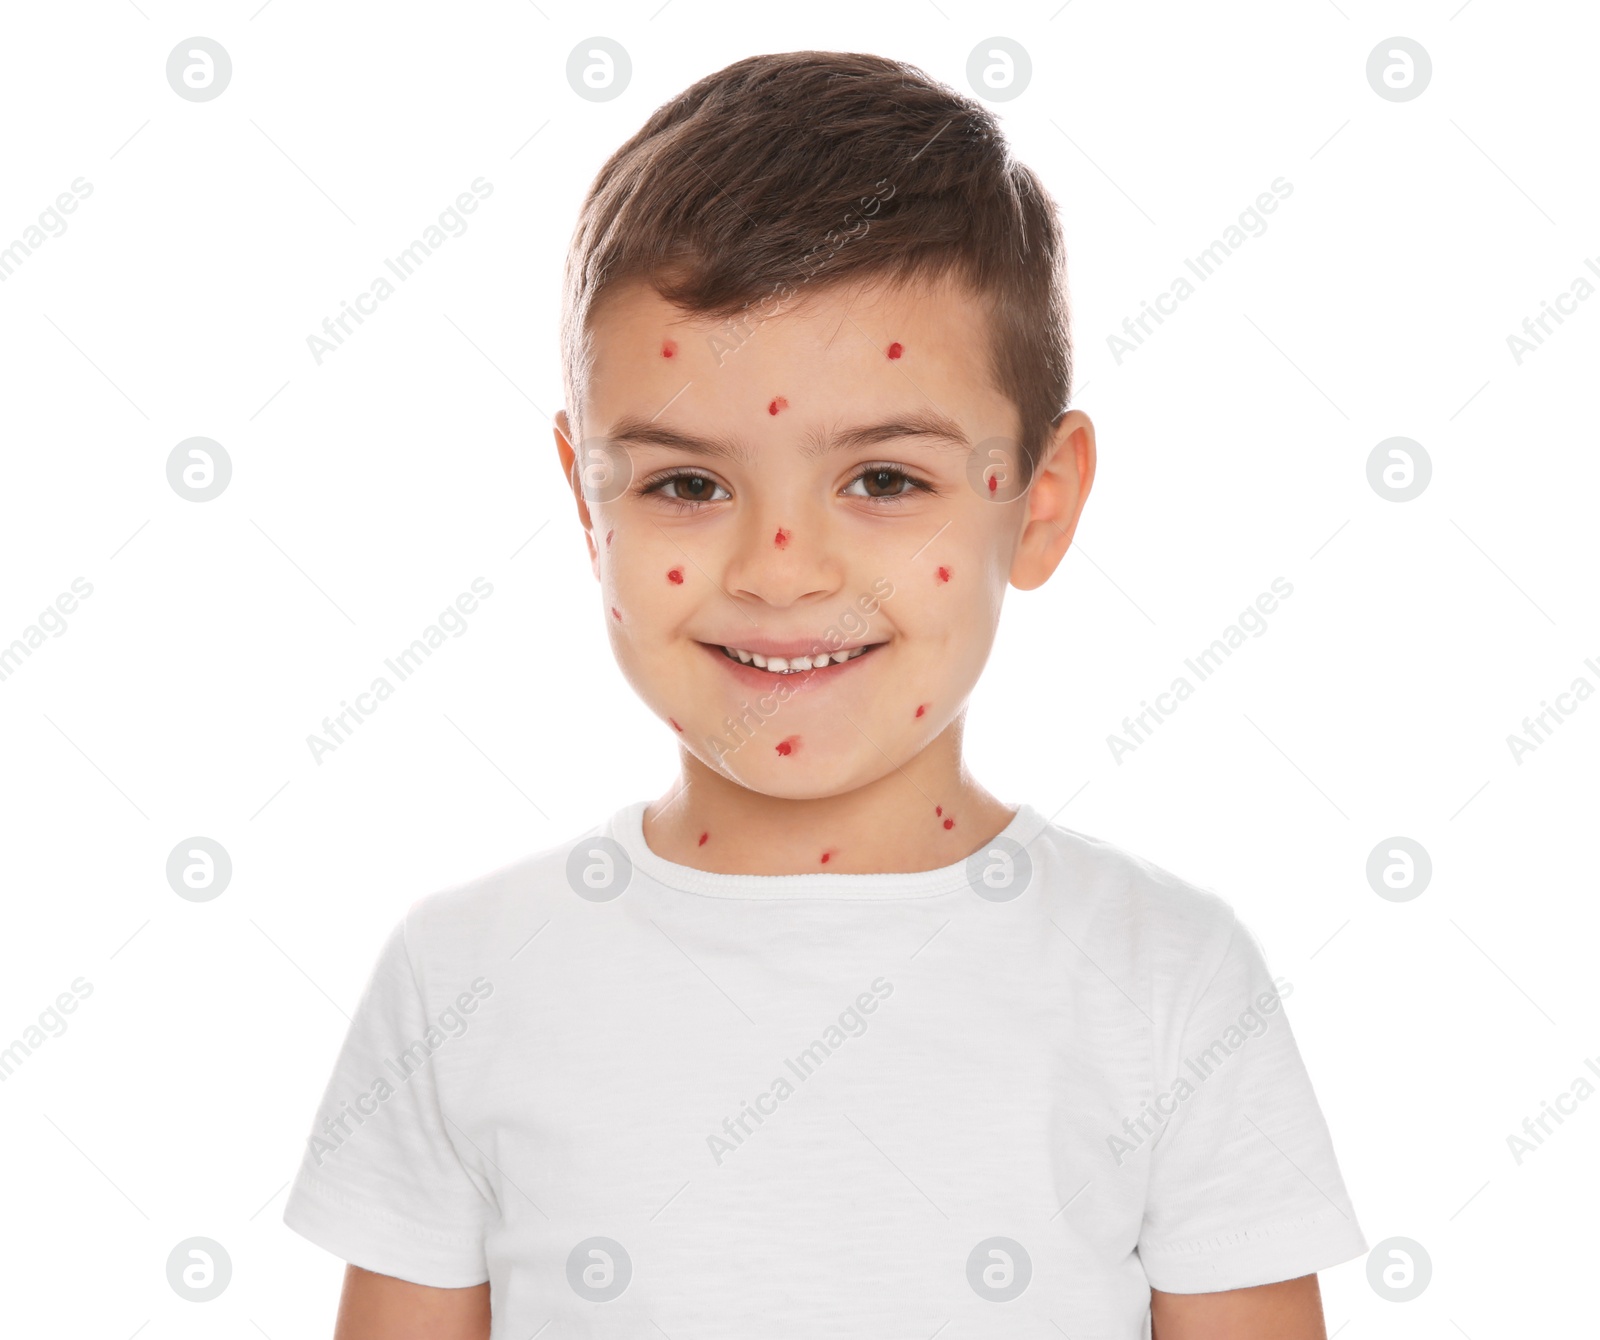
(1000, 1097)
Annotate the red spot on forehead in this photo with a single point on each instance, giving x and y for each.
(781, 538)
(949, 823)
(668, 348)
(944, 574)
(675, 726)
(702, 841)
(921, 708)
(609, 534)
(778, 403)
(788, 746)
(896, 349)
(615, 614)
(675, 576)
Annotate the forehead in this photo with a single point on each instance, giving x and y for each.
(827, 353)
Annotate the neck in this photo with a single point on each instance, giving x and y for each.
(926, 813)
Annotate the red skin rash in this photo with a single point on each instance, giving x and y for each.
(944, 574)
(789, 745)
(896, 349)
(949, 823)
(668, 348)
(609, 534)
(675, 726)
(676, 576)
(938, 809)
(781, 538)
(826, 856)
(615, 615)
(702, 841)
(778, 403)
(994, 483)
(921, 708)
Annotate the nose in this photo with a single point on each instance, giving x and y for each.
(782, 560)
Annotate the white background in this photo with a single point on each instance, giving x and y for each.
(369, 491)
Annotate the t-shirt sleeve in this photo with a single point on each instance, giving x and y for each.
(1244, 1188)
(382, 1184)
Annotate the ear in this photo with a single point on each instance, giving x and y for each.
(1056, 494)
(569, 468)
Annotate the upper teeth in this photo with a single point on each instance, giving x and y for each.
(788, 665)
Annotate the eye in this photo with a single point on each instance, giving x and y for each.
(884, 481)
(686, 488)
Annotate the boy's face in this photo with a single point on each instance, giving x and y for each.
(820, 490)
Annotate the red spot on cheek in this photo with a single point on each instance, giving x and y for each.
(944, 574)
(675, 726)
(826, 857)
(668, 348)
(921, 708)
(676, 576)
(615, 615)
(609, 534)
(702, 841)
(949, 823)
(896, 349)
(781, 538)
(778, 403)
(789, 745)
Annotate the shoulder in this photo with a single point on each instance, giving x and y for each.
(1168, 931)
(486, 917)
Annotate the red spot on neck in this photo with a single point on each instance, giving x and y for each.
(675, 726)
(896, 349)
(944, 574)
(615, 614)
(668, 348)
(789, 745)
(921, 708)
(826, 857)
(778, 402)
(609, 534)
(949, 823)
(675, 576)
(781, 538)
(994, 483)
(702, 841)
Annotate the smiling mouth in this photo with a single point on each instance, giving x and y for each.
(794, 665)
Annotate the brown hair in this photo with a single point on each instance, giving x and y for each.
(816, 168)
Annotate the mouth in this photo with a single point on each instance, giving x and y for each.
(801, 664)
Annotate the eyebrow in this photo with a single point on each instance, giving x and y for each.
(934, 428)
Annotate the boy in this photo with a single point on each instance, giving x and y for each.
(827, 1040)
